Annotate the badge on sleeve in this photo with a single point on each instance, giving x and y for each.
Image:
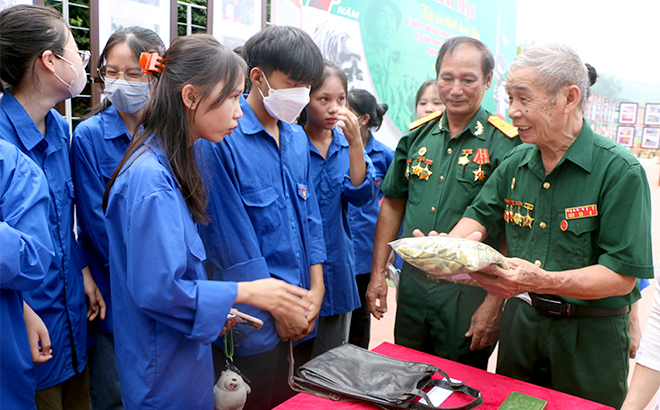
(302, 191)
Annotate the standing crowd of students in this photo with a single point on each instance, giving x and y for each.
(177, 177)
(192, 198)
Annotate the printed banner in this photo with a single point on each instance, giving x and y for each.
(389, 47)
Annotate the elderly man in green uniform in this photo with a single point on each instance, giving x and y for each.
(575, 209)
(439, 167)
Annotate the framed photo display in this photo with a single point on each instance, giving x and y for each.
(625, 135)
(652, 114)
(152, 14)
(650, 138)
(235, 21)
(627, 113)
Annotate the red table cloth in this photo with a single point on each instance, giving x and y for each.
(494, 388)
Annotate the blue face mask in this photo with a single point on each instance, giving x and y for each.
(127, 97)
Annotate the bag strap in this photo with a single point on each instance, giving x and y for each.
(477, 401)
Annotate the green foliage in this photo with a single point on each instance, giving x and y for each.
(79, 22)
(198, 17)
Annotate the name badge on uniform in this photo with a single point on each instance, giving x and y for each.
(302, 191)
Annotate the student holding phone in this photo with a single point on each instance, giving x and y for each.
(170, 313)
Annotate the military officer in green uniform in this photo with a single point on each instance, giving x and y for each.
(575, 209)
(439, 167)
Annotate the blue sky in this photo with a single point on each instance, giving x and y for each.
(617, 37)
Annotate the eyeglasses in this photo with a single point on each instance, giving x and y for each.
(133, 75)
(84, 55)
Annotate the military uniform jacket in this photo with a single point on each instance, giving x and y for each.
(593, 208)
(438, 176)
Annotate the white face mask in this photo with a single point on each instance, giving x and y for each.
(77, 85)
(285, 104)
(358, 118)
(127, 97)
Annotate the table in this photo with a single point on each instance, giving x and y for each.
(494, 388)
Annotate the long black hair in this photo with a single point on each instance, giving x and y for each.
(363, 102)
(199, 60)
(139, 40)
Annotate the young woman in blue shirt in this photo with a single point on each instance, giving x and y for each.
(363, 219)
(25, 256)
(166, 311)
(98, 144)
(342, 175)
(42, 66)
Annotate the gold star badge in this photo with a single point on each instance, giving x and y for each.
(425, 173)
(464, 160)
(479, 174)
(416, 169)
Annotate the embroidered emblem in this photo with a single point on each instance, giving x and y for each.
(302, 191)
(479, 128)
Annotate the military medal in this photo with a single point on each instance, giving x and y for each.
(563, 225)
(513, 183)
(508, 210)
(527, 219)
(464, 160)
(517, 217)
(407, 174)
(481, 158)
(417, 168)
(422, 151)
(425, 173)
(479, 129)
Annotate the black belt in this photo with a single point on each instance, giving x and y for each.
(557, 308)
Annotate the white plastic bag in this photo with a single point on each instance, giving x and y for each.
(448, 258)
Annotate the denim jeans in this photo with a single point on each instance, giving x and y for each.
(103, 377)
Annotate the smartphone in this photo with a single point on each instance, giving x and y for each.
(245, 319)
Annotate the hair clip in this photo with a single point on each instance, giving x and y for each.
(151, 64)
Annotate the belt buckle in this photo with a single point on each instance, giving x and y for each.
(553, 307)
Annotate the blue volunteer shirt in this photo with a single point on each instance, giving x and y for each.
(25, 256)
(60, 299)
(166, 312)
(265, 220)
(98, 145)
(334, 190)
(363, 219)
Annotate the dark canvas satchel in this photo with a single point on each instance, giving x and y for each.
(349, 372)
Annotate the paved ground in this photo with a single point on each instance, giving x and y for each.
(383, 330)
